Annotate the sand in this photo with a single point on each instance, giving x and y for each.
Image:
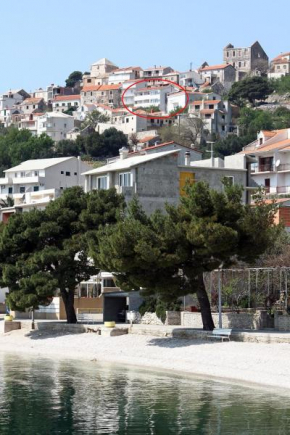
(254, 363)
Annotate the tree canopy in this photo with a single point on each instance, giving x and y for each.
(250, 89)
(73, 78)
(167, 254)
(41, 251)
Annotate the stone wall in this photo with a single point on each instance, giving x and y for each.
(242, 320)
(172, 318)
(282, 322)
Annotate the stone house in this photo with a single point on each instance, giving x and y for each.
(246, 60)
(224, 74)
(103, 94)
(62, 103)
(99, 72)
(32, 105)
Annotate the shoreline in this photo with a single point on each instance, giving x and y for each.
(249, 364)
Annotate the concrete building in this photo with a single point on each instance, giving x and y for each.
(158, 178)
(29, 122)
(246, 60)
(224, 74)
(36, 182)
(121, 75)
(156, 71)
(124, 122)
(280, 66)
(61, 103)
(55, 125)
(12, 98)
(101, 94)
(129, 95)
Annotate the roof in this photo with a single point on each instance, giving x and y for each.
(104, 61)
(55, 115)
(101, 88)
(31, 101)
(281, 56)
(213, 67)
(155, 68)
(207, 111)
(170, 143)
(275, 140)
(38, 164)
(66, 97)
(147, 138)
(198, 102)
(129, 162)
(129, 68)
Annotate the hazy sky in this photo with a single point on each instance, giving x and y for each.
(42, 41)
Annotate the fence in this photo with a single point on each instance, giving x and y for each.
(248, 288)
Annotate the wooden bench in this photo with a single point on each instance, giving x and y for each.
(221, 334)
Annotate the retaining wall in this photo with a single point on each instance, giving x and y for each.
(243, 320)
(172, 318)
(282, 322)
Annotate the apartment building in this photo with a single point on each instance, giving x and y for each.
(190, 78)
(34, 183)
(178, 99)
(55, 125)
(216, 115)
(153, 96)
(30, 105)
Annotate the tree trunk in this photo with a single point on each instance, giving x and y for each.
(203, 300)
(68, 300)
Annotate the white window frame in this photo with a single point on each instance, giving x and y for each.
(125, 179)
(100, 181)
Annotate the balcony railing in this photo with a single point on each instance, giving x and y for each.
(269, 167)
(284, 167)
(283, 189)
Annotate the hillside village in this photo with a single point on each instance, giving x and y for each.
(140, 111)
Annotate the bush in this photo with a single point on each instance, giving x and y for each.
(155, 305)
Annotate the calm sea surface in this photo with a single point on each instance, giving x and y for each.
(42, 396)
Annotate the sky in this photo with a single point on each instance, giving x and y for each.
(43, 41)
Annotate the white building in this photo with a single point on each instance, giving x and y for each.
(131, 87)
(10, 99)
(126, 123)
(36, 182)
(190, 78)
(55, 125)
(179, 98)
(122, 75)
(280, 66)
(153, 96)
(272, 152)
(61, 103)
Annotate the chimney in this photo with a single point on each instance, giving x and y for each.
(123, 153)
(187, 158)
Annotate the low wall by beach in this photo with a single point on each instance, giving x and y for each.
(282, 322)
(172, 318)
(242, 320)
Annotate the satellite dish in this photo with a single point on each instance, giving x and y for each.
(278, 162)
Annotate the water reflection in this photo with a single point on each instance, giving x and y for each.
(41, 396)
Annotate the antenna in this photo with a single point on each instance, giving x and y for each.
(190, 67)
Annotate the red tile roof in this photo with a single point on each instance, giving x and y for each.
(281, 56)
(101, 88)
(66, 97)
(213, 67)
(32, 101)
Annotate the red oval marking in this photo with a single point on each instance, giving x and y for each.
(156, 117)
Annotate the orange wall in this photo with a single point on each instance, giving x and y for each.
(81, 303)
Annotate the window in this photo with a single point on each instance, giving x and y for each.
(35, 188)
(230, 180)
(211, 106)
(89, 80)
(234, 53)
(67, 174)
(240, 64)
(127, 119)
(35, 173)
(22, 174)
(102, 182)
(10, 190)
(63, 104)
(61, 172)
(125, 179)
(22, 189)
(278, 66)
(64, 125)
(75, 173)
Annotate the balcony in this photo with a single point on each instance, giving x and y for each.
(284, 167)
(268, 167)
(28, 180)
